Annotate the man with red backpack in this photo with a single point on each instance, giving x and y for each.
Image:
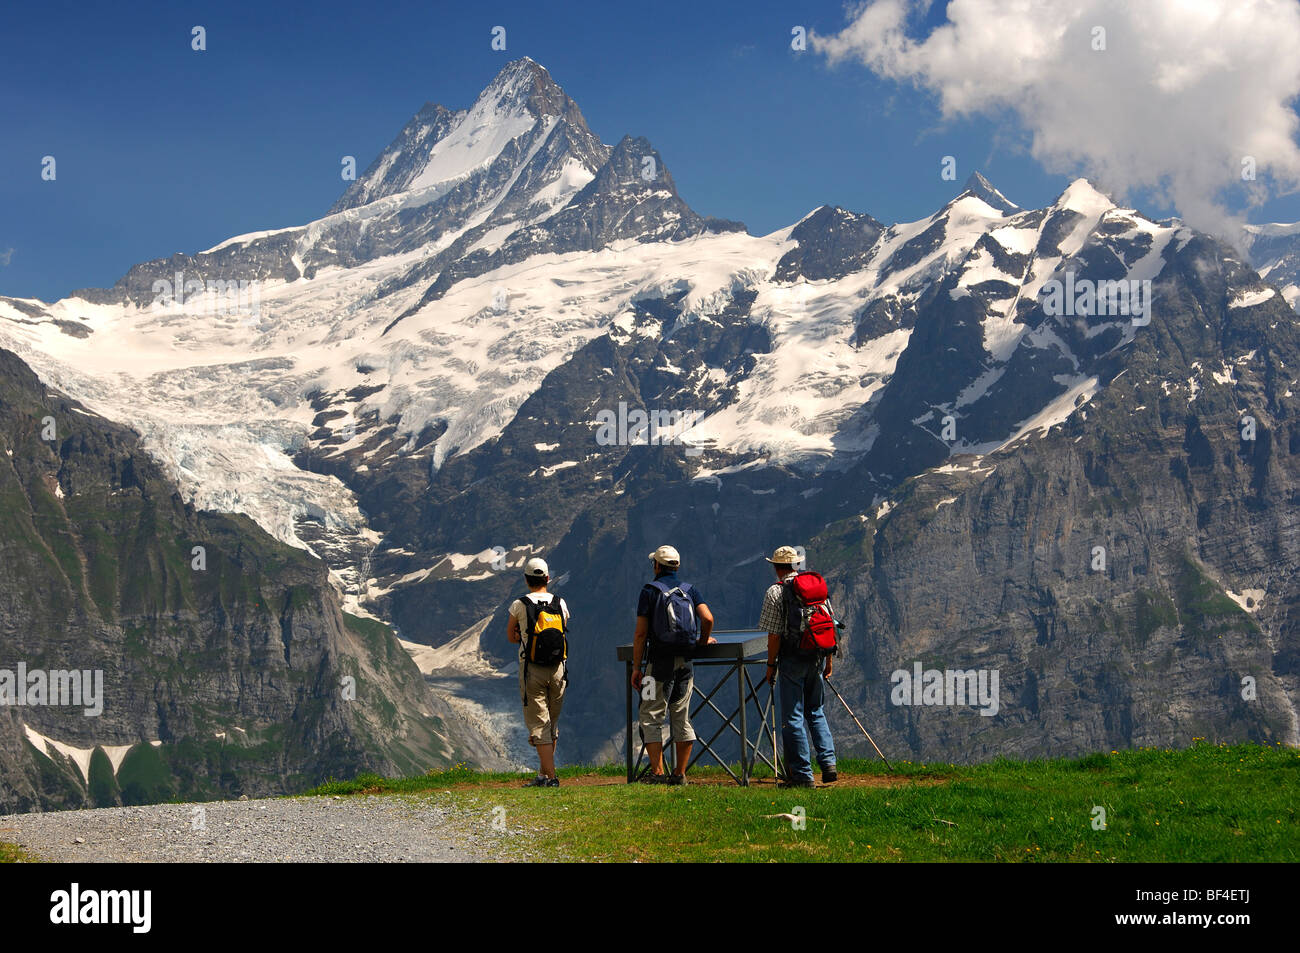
(800, 626)
(671, 620)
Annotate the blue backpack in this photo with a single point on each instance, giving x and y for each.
(673, 623)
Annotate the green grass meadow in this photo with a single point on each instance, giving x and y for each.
(1208, 803)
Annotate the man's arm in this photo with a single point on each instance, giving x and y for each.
(512, 629)
(772, 620)
(638, 649)
(773, 648)
(706, 624)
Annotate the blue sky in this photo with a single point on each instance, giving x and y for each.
(161, 149)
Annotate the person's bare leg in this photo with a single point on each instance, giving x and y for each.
(546, 755)
(683, 756)
(655, 752)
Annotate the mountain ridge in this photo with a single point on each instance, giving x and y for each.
(418, 368)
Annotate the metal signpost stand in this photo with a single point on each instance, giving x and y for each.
(736, 651)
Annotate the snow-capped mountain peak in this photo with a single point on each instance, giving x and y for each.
(1080, 196)
(438, 150)
(435, 313)
(984, 190)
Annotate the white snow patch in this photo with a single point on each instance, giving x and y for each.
(79, 756)
(462, 654)
(252, 236)
(1079, 391)
(1248, 599)
(548, 471)
(1248, 299)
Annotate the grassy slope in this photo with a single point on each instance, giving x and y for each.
(13, 854)
(1206, 803)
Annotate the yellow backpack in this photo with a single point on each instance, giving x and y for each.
(545, 632)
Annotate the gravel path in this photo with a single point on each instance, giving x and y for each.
(423, 828)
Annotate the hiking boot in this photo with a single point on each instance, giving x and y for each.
(653, 779)
(830, 776)
(676, 780)
(798, 783)
(537, 782)
(552, 783)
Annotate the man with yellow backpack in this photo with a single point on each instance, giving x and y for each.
(539, 623)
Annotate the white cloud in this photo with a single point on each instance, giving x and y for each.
(5, 257)
(1183, 91)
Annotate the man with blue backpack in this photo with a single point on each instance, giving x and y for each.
(671, 620)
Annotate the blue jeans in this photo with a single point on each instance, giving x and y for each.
(802, 694)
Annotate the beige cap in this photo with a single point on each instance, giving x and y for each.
(785, 555)
(666, 556)
(536, 567)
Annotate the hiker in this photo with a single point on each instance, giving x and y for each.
(539, 623)
(800, 627)
(671, 620)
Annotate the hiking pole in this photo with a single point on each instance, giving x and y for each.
(858, 723)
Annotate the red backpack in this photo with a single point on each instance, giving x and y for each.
(809, 620)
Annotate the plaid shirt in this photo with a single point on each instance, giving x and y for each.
(772, 616)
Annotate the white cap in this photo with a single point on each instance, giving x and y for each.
(536, 567)
(666, 556)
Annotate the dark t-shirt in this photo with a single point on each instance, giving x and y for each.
(645, 605)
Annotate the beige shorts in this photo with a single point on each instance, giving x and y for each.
(543, 697)
(670, 701)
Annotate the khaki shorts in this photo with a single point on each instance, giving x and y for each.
(671, 698)
(543, 697)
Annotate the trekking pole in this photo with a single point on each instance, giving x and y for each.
(858, 723)
(778, 767)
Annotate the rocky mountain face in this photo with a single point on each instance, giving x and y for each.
(1052, 444)
(1274, 251)
(218, 659)
(1130, 574)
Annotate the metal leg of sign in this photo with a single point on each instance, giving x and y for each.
(761, 735)
(627, 739)
(742, 676)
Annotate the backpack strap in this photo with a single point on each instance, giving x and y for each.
(529, 612)
(530, 623)
(563, 608)
(793, 617)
